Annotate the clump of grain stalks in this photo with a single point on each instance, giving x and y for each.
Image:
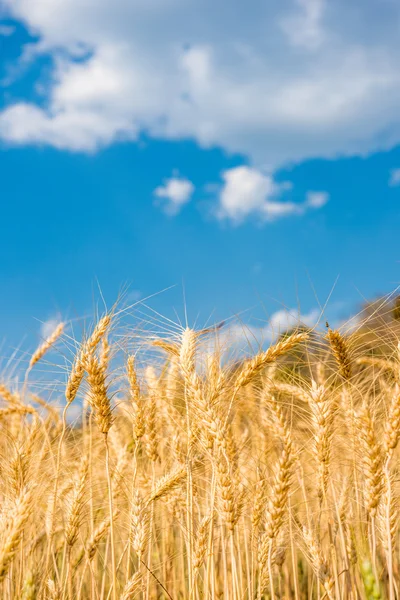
(189, 476)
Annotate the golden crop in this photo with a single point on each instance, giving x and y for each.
(275, 476)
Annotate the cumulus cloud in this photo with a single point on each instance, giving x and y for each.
(279, 82)
(247, 191)
(394, 179)
(176, 192)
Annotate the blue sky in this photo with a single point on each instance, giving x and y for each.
(241, 161)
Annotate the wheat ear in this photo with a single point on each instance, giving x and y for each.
(318, 562)
(98, 395)
(132, 587)
(75, 503)
(392, 428)
(136, 399)
(277, 504)
(322, 411)
(14, 527)
(98, 333)
(167, 483)
(47, 344)
(253, 366)
(75, 378)
(340, 350)
(372, 461)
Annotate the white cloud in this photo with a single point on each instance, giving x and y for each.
(177, 192)
(73, 129)
(280, 81)
(282, 320)
(237, 338)
(394, 177)
(247, 191)
(316, 199)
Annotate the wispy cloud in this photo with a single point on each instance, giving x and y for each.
(175, 193)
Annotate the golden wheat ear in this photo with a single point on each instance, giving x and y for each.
(340, 349)
(13, 529)
(319, 562)
(253, 366)
(132, 587)
(47, 344)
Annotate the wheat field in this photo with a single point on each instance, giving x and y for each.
(191, 476)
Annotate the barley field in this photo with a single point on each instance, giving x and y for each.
(190, 475)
